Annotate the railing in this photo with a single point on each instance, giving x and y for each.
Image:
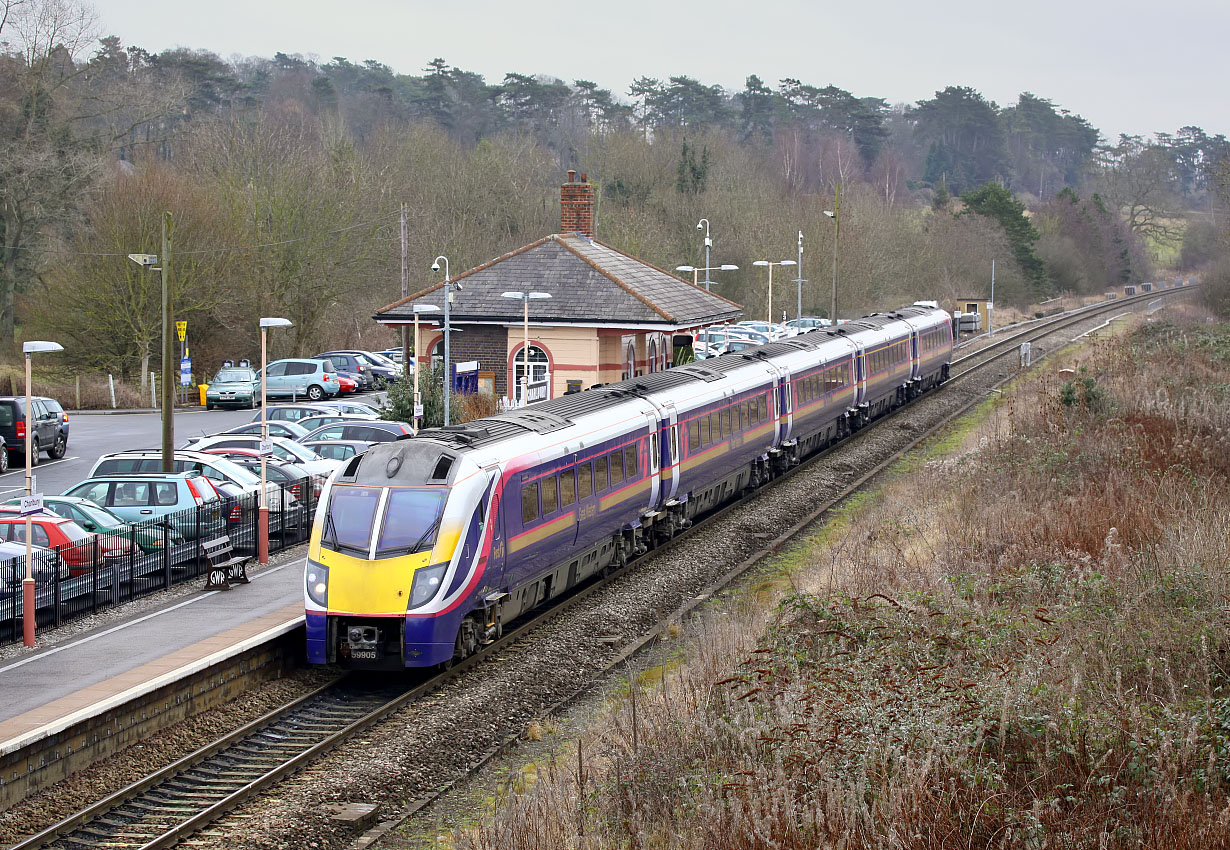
(142, 558)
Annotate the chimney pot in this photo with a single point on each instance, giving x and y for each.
(572, 175)
(577, 206)
(584, 177)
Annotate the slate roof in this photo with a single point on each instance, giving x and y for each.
(589, 283)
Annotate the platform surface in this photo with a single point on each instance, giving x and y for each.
(90, 673)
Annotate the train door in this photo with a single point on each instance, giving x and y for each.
(860, 376)
(787, 416)
(654, 461)
(668, 447)
(495, 516)
(915, 364)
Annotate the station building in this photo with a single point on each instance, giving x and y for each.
(610, 316)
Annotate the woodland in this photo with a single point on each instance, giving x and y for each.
(285, 177)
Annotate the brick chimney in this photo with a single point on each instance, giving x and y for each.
(576, 206)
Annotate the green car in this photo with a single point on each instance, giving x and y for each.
(232, 387)
(98, 520)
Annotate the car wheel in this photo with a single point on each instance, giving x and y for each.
(34, 450)
(59, 449)
(209, 407)
(379, 383)
(4, 462)
(252, 404)
(315, 393)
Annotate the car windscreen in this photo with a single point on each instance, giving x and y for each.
(231, 376)
(411, 521)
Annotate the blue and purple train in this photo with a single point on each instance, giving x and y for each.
(422, 548)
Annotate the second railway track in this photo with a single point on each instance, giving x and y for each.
(171, 804)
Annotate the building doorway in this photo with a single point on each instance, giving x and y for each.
(540, 373)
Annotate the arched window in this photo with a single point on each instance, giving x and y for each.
(437, 355)
(539, 373)
(630, 361)
(653, 355)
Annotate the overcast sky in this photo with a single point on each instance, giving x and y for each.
(1128, 66)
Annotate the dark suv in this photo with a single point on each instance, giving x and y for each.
(49, 423)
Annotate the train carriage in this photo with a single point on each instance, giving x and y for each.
(423, 548)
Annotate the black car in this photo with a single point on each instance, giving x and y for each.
(366, 430)
(48, 421)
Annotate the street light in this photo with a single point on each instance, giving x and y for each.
(526, 298)
(706, 269)
(418, 399)
(262, 533)
(27, 584)
(708, 245)
(771, 264)
(448, 328)
(835, 215)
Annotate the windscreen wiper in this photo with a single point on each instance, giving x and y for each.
(431, 529)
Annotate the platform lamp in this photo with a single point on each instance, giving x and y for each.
(29, 505)
(262, 533)
(526, 298)
(771, 264)
(727, 267)
(418, 399)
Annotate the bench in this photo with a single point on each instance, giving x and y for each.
(225, 567)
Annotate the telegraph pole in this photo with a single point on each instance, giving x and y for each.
(168, 350)
(799, 280)
(405, 293)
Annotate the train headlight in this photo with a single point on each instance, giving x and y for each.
(426, 583)
(316, 580)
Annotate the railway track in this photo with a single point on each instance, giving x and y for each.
(171, 804)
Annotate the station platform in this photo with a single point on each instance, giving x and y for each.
(90, 674)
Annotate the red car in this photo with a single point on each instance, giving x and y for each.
(74, 544)
(347, 385)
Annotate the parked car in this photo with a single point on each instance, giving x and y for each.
(72, 542)
(96, 519)
(338, 449)
(347, 382)
(277, 428)
(48, 421)
(48, 566)
(314, 422)
(394, 354)
(144, 496)
(293, 412)
(381, 370)
(186, 460)
(807, 323)
(233, 387)
(371, 431)
(284, 450)
(310, 379)
(354, 408)
(285, 475)
(351, 366)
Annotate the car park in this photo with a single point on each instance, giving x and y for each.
(299, 378)
(381, 371)
(49, 424)
(351, 366)
(139, 497)
(314, 422)
(67, 538)
(371, 431)
(186, 460)
(96, 519)
(807, 323)
(353, 408)
(277, 428)
(233, 386)
(285, 475)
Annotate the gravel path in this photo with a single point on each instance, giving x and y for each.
(443, 735)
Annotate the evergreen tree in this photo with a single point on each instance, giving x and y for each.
(995, 202)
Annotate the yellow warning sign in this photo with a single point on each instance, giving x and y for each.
(181, 330)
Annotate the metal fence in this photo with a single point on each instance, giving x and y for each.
(142, 558)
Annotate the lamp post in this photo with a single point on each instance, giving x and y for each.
(695, 270)
(799, 280)
(835, 215)
(262, 531)
(771, 264)
(708, 245)
(418, 398)
(27, 584)
(448, 327)
(526, 298)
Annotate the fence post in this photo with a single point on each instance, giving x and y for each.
(166, 554)
(56, 594)
(94, 578)
(153, 398)
(78, 392)
(282, 517)
(111, 383)
(198, 539)
(132, 564)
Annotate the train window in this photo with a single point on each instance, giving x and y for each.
(737, 413)
(763, 403)
(693, 435)
(653, 447)
(567, 488)
(726, 422)
(617, 468)
(746, 407)
(550, 496)
(630, 454)
(600, 480)
(706, 437)
(529, 503)
(585, 480)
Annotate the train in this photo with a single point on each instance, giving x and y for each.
(423, 548)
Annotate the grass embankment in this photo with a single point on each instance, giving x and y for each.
(1023, 645)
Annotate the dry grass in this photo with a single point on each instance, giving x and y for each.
(1026, 647)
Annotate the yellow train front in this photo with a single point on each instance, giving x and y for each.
(399, 567)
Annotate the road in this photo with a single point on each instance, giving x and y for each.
(91, 435)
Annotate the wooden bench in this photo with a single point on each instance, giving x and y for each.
(225, 567)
